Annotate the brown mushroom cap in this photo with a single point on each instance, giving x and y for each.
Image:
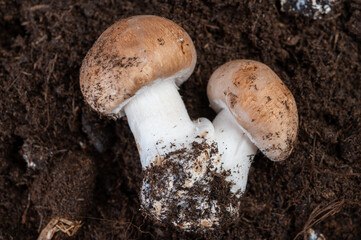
(131, 54)
(261, 103)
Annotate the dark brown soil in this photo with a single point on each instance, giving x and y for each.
(64, 189)
(43, 116)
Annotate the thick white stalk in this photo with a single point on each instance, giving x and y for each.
(159, 120)
(236, 149)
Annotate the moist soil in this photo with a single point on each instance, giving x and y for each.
(45, 124)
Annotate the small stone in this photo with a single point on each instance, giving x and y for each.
(35, 155)
(309, 8)
(315, 235)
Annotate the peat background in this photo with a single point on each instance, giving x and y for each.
(44, 118)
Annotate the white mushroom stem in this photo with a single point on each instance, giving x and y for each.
(160, 122)
(236, 149)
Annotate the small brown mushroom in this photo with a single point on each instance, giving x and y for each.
(260, 102)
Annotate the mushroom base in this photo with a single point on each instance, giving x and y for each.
(187, 181)
(188, 188)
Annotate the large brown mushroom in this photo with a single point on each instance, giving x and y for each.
(134, 68)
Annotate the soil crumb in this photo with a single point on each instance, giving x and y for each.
(65, 190)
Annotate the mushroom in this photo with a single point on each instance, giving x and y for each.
(134, 69)
(255, 110)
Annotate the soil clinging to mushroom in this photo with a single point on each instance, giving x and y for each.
(188, 188)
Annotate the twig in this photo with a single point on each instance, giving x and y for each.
(39, 7)
(60, 224)
(318, 215)
(23, 218)
(50, 71)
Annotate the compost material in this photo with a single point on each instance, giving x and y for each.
(44, 118)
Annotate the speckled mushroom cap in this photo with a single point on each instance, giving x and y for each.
(131, 54)
(260, 102)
